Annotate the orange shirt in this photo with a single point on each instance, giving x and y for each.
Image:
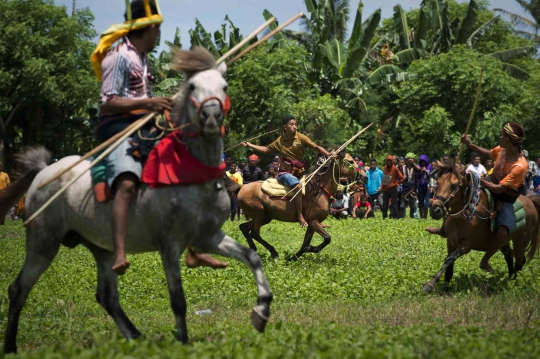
(509, 174)
(4, 180)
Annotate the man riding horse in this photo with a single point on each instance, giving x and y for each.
(291, 145)
(504, 183)
(126, 96)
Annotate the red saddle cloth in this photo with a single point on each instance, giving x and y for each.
(171, 163)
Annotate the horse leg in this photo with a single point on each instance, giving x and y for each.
(107, 291)
(306, 247)
(509, 258)
(449, 273)
(502, 239)
(256, 234)
(326, 238)
(450, 259)
(246, 229)
(226, 246)
(170, 256)
(520, 247)
(39, 255)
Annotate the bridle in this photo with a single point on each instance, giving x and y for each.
(199, 106)
(470, 205)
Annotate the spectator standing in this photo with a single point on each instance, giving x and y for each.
(228, 160)
(476, 166)
(4, 182)
(340, 205)
(489, 167)
(375, 177)
(271, 173)
(531, 174)
(422, 178)
(362, 209)
(445, 159)
(408, 187)
(242, 164)
(392, 177)
(252, 173)
(233, 174)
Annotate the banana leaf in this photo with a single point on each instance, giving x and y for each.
(467, 26)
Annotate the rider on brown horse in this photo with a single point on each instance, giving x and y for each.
(507, 179)
(291, 145)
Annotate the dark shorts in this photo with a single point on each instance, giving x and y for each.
(288, 180)
(506, 217)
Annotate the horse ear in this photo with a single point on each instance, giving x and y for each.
(222, 68)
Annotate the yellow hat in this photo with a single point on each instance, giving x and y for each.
(116, 32)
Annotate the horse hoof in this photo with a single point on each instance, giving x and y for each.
(428, 287)
(258, 321)
(513, 277)
(274, 255)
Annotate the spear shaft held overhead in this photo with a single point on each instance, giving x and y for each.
(478, 88)
(343, 146)
(251, 139)
(137, 126)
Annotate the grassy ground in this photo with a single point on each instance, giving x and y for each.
(361, 297)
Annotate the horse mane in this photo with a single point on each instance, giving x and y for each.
(193, 61)
(442, 168)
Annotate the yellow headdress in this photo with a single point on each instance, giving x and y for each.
(116, 32)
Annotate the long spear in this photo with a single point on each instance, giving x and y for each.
(138, 125)
(269, 35)
(472, 113)
(251, 139)
(343, 146)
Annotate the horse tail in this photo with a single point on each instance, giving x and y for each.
(533, 247)
(29, 163)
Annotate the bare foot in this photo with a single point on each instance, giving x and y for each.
(324, 225)
(194, 260)
(121, 265)
(303, 223)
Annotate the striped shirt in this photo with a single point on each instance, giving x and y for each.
(126, 75)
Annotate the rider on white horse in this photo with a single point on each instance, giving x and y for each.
(291, 145)
(126, 96)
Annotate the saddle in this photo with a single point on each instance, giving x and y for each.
(519, 213)
(275, 189)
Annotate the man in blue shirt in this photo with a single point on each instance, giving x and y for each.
(375, 176)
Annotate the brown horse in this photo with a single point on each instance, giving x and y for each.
(262, 208)
(466, 225)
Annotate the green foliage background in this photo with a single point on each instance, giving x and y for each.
(361, 297)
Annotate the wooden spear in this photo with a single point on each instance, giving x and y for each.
(251, 139)
(138, 125)
(472, 113)
(269, 35)
(312, 174)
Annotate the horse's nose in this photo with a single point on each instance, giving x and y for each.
(436, 213)
(212, 111)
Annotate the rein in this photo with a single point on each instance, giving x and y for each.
(470, 205)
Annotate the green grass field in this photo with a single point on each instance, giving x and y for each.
(360, 298)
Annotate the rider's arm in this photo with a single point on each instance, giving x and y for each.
(484, 153)
(323, 151)
(118, 104)
(261, 149)
(495, 188)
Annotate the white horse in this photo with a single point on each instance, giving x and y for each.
(166, 220)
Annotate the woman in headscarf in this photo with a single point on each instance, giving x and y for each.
(506, 181)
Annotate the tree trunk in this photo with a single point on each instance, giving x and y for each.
(2, 154)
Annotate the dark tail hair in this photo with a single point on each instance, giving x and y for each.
(533, 247)
(31, 161)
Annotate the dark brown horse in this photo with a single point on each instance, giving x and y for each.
(262, 208)
(466, 225)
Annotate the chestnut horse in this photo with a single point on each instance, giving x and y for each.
(262, 208)
(466, 225)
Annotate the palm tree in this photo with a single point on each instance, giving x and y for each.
(533, 8)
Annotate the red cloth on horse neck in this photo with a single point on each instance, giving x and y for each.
(171, 163)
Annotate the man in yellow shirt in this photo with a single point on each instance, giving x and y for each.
(4, 181)
(291, 145)
(235, 175)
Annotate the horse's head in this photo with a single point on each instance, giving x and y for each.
(351, 170)
(204, 92)
(451, 180)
